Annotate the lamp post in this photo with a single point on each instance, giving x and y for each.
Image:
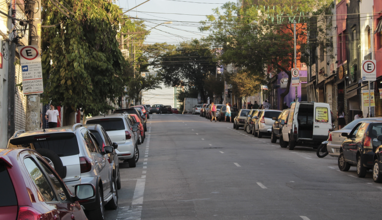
(167, 22)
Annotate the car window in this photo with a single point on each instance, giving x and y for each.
(376, 130)
(224, 108)
(56, 183)
(361, 130)
(98, 137)
(89, 142)
(219, 106)
(107, 138)
(109, 124)
(40, 180)
(7, 192)
(271, 114)
(355, 130)
(63, 144)
(244, 112)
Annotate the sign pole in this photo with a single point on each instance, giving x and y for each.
(369, 100)
(295, 63)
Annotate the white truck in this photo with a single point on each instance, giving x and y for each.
(189, 103)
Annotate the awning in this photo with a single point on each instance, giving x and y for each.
(379, 26)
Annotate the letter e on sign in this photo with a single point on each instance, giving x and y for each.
(369, 72)
(29, 53)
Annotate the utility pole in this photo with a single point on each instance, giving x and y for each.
(295, 62)
(33, 108)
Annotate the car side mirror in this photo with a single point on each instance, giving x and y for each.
(115, 145)
(274, 118)
(344, 135)
(135, 129)
(108, 149)
(84, 191)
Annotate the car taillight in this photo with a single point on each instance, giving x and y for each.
(367, 142)
(262, 120)
(128, 135)
(28, 213)
(295, 130)
(157, 108)
(85, 165)
(103, 146)
(330, 137)
(144, 110)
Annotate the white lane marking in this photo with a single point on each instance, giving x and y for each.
(292, 181)
(237, 164)
(135, 210)
(185, 124)
(202, 139)
(145, 159)
(304, 218)
(192, 129)
(332, 167)
(261, 185)
(302, 155)
(210, 144)
(197, 134)
(145, 163)
(146, 155)
(221, 152)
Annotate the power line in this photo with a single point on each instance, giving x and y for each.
(197, 2)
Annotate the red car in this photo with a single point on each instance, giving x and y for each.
(174, 111)
(143, 110)
(141, 128)
(31, 189)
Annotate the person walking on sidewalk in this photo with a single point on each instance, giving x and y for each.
(228, 113)
(52, 116)
(213, 112)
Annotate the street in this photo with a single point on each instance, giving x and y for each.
(191, 168)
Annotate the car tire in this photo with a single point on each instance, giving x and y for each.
(361, 170)
(119, 186)
(292, 144)
(273, 137)
(54, 160)
(237, 127)
(145, 127)
(283, 144)
(259, 134)
(342, 164)
(99, 212)
(113, 203)
(377, 177)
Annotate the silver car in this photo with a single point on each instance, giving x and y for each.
(196, 109)
(264, 122)
(239, 120)
(74, 154)
(335, 139)
(119, 127)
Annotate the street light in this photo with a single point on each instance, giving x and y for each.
(167, 22)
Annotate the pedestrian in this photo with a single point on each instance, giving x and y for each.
(266, 104)
(358, 115)
(255, 105)
(249, 105)
(52, 116)
(341, 119)
(228, 113)
(213, 112)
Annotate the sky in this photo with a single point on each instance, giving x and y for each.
(185, 14)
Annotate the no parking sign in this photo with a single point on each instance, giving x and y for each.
(30, 61)
(369, 70)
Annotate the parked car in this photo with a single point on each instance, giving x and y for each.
(308, 123)
(155, 108)
(218, 108)
(141, 130)
(253, 121)
(165, 109)
(136, 111)
(73, 152)
(143, 109)
(278, 124)
(248, 120)
(31, 188)
(174, 111)
(120, 130)
(239, 120)
(335, 138)
(359, 148)
(197, 108)
(148, 107)
(202, 111)
(265, 121)
(104, 140)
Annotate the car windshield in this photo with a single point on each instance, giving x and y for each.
(269, 114)
(7, 192)
(109, 124)
(244, 112)
(219, 106)
(352, 124)
(63, 144)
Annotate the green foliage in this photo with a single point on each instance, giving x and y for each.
(82, 63)
(243, 84)
(214, 84)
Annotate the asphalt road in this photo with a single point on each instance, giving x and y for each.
(191, 168)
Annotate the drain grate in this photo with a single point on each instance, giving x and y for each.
(212, 148)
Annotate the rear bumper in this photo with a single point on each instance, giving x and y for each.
(265, 128)
(125, 150)
(333, 149)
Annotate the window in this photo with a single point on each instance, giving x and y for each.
(340, 48)
(98, 137)
(244, 112)
(7, 192)
(55, 182)
(368, 35)
(354, 44)
(110, 124)
(89, 142)
(361, 130)
(355, 130)
(40, 180)
(270, 114)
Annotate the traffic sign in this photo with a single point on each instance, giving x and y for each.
(369, 70)
(295, 77)
(295, 72)
(30, 61)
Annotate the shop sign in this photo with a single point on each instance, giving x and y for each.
(365, 97)
(322, 114)
(340, 72)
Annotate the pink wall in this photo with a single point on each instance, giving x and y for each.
(341, 15)
(378, 52)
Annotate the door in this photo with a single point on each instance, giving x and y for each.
(322, 120)
(349, 145)
(291, 122)
(358, 142)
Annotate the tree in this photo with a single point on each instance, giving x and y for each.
(259, 38)
(82, 63)
(214, 85)
(243, 83)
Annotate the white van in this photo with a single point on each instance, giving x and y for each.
(307, 123)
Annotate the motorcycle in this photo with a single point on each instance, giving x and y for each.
(322, 150)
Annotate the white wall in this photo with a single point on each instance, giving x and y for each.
(164, 95)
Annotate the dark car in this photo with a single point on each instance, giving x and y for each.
(166, 109)
(155, 108)
(359, 148)
(248, 120)
(103, 140)
(278, 125)
(136, 111)
(174, 111)
(31, 189)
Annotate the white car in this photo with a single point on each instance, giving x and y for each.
(196, 109)
(121, 130)
(265, 121)
(335, 138)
